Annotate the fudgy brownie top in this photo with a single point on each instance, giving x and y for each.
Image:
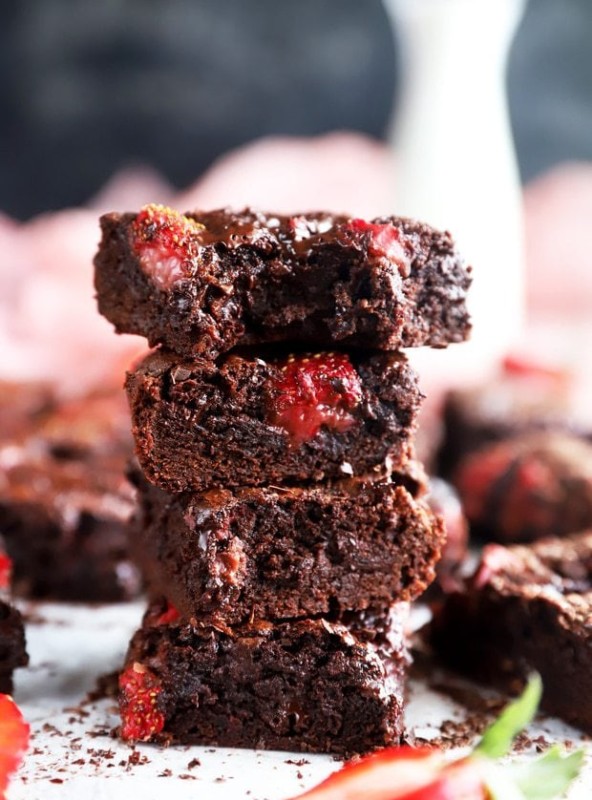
(95, 425)
(268, 416)
(65, 502)
(524, 397)
(201, 283)
(22, 404)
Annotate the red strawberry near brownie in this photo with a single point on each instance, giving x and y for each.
(14, 740)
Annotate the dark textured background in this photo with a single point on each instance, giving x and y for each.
(88, 87)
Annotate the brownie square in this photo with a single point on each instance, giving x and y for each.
(203, 283)
(310, 685)
(523, 398)
(526, 608)
(528, 487)
(271, 553)
(257, 418)
(13, 653)
(65, 503)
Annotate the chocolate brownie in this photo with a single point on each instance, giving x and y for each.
(270, 553)
(307, 685)
(65, 528)
(65, 504)
(64, 525)
(523, 398)
(257, 418)
(202, 283)
(12, 645)
(528, 487)
(526, 608)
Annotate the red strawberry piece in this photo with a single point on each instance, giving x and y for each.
(383, 241)
(165, 242)
(5, 570)
(141, 716)
(403, 774)
(169, 615)
(14, 739)
(526, 368)
(315, 390)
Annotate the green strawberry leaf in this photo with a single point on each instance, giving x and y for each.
(497, 739)
(547, 777)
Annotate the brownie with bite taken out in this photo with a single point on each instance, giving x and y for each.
(202, 283)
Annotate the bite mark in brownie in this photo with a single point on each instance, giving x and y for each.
(526, 608)
(274, 553)
(264, 418)
(203, 283)
(310, 685)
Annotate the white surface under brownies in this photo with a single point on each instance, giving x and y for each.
(73, 754)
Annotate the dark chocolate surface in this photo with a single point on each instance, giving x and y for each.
(65, 503)
(13, 653)
(528, 487)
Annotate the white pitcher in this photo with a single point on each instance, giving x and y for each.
(455, 161)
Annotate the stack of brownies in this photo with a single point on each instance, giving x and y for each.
(281, 524)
